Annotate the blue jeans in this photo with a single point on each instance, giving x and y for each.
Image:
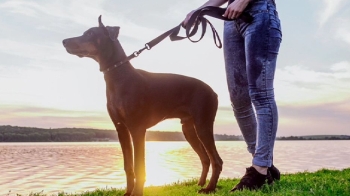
(250, 51)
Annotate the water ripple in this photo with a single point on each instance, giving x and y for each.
(77, 167)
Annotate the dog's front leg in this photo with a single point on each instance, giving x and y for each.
(125, 142)
(138, 137)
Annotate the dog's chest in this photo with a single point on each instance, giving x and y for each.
(117, 106)
(125, 105)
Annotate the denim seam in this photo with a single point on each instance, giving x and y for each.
(264, 80)
(270, 104)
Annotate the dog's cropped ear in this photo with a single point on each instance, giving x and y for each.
(101, 25)
(113, 32)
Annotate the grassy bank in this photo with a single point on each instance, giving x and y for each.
(322, 182)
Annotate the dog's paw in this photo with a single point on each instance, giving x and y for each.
(206, 191)
(201, 183)
(136, 194)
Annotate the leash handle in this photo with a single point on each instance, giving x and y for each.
(196, 19)
(216, 12)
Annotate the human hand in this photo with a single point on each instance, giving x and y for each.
(235, 9)
(188, 16)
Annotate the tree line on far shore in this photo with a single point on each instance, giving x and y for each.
(31, 134)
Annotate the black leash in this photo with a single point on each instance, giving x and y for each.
(196, 19)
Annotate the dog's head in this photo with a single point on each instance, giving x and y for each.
(93, 42)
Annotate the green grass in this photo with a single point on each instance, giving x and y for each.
(322, 182)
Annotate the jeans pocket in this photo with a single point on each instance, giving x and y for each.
(275, 25)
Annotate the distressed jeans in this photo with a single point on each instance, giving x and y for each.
(250, 51)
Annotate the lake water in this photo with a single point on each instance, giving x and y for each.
(77, 167)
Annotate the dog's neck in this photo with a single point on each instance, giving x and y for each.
(111, 55)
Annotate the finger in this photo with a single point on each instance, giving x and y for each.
(226, 13)
(235, 14)
(229, 14)
(232, 15)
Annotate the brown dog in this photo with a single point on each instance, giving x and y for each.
(137, 100)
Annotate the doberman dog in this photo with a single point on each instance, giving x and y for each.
(138, 100)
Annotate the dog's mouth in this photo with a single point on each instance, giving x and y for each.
(81, 49)
(79, 53)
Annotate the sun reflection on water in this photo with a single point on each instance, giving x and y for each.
(168, 163)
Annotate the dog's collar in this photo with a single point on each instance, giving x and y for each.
(114, 66)
(133, 55)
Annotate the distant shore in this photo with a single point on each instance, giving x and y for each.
(10, 133)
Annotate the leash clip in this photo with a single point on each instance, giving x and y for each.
(148, 47)
(137, 53)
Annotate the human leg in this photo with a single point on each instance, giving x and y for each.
(237, 82)
(261, 41)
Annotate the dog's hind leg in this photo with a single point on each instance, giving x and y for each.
(191, 137)
(205, 135)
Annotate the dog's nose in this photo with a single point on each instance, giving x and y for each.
(64, 42)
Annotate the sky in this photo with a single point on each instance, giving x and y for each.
(41, 85)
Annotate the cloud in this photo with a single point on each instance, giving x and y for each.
(296, 84)
(294, 119)
(63, 10)
(330, 8)
(25, 50)
(317, 119)
(343, 32)
(54, 118)
(20, 7)
(56, 20)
